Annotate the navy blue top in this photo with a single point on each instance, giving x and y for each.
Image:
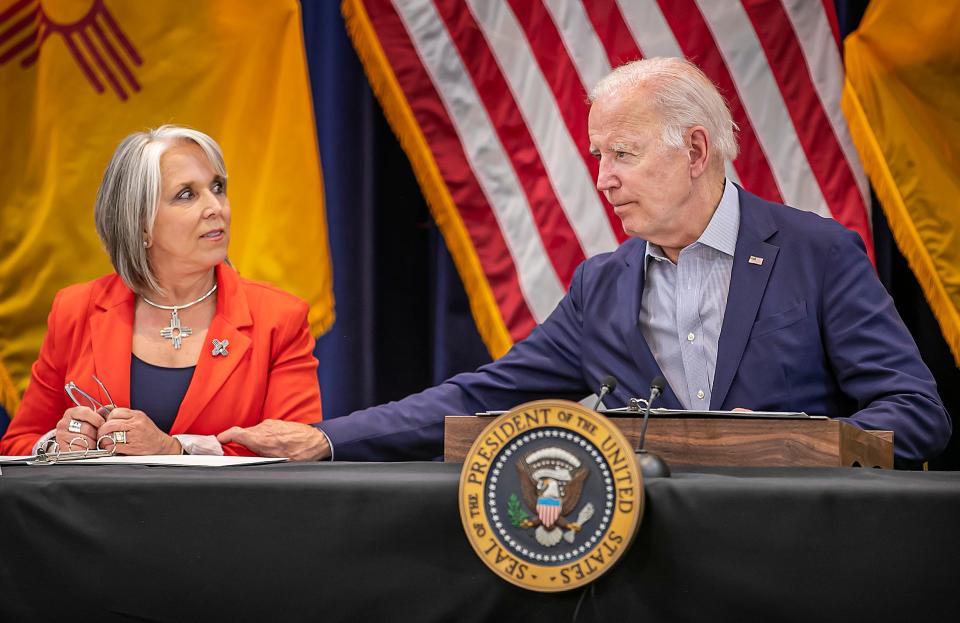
(158, 391)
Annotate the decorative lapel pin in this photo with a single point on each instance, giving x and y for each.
(220, 347)
(756, 260)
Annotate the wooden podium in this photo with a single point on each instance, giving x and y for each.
(732, 442)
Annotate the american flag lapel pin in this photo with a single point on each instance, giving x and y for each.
(756, 260)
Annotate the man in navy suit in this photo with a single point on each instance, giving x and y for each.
(738, 302)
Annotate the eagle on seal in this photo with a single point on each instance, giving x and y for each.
(551, 481)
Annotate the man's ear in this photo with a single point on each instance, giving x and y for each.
(699, 150)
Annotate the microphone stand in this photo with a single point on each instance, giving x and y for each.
(604, 390)
(651, 465)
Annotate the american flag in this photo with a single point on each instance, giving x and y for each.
(548, 509)
(488, 98)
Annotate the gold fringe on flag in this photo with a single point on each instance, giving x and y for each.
(900, 220)
(9, 396)
(383, 81)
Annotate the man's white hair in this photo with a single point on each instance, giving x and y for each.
(683, 95)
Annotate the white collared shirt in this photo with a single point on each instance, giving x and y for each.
(681, 312)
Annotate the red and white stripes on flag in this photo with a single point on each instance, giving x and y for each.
(548, 510)
(488, 98)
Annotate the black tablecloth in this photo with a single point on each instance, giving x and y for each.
(358, 542)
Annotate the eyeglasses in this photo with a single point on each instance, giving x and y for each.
(50, 453)
(73, 392)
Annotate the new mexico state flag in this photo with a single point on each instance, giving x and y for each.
(76, 76)
(902, 100)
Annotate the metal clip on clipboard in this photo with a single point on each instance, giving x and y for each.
(50, 454)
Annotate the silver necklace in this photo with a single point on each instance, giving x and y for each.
(175, 332)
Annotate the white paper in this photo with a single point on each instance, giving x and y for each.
(179, 460)
(13, 459)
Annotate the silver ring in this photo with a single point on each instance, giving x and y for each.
(74, 426)
(120, 436)
(86, 444)
(113, 445)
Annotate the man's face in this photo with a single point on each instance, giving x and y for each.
(648, 184)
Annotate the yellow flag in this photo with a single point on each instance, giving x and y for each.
(76, 76)
(902, 100)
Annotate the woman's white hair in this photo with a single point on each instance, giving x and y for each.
(127, 200)
(683, 95)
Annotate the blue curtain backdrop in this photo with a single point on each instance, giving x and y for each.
(403, 321)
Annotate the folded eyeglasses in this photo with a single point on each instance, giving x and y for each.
(50, 453)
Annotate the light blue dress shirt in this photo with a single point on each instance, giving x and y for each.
(682, 309)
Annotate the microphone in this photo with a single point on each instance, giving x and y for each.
(651, 465)
(656, 388)
(607, 385)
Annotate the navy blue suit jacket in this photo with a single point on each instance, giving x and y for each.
(810, 329)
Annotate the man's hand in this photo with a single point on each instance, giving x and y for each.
(277, 438)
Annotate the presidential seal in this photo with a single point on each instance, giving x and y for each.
(550, 495)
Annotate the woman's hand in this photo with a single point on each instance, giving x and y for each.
(85, 423)
(143, 436)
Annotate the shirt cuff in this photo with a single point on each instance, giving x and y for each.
(329, 443)
(200, 444)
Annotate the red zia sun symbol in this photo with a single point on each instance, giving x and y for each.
(95, 41)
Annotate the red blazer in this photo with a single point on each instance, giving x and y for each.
(269, 373)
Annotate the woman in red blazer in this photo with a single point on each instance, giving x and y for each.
(185, 347)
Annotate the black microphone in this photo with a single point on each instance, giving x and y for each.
(607, 385)
(650, 464)
(656, 388)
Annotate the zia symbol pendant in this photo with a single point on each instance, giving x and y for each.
(175, 333)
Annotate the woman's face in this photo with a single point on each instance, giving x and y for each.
(192, 228)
